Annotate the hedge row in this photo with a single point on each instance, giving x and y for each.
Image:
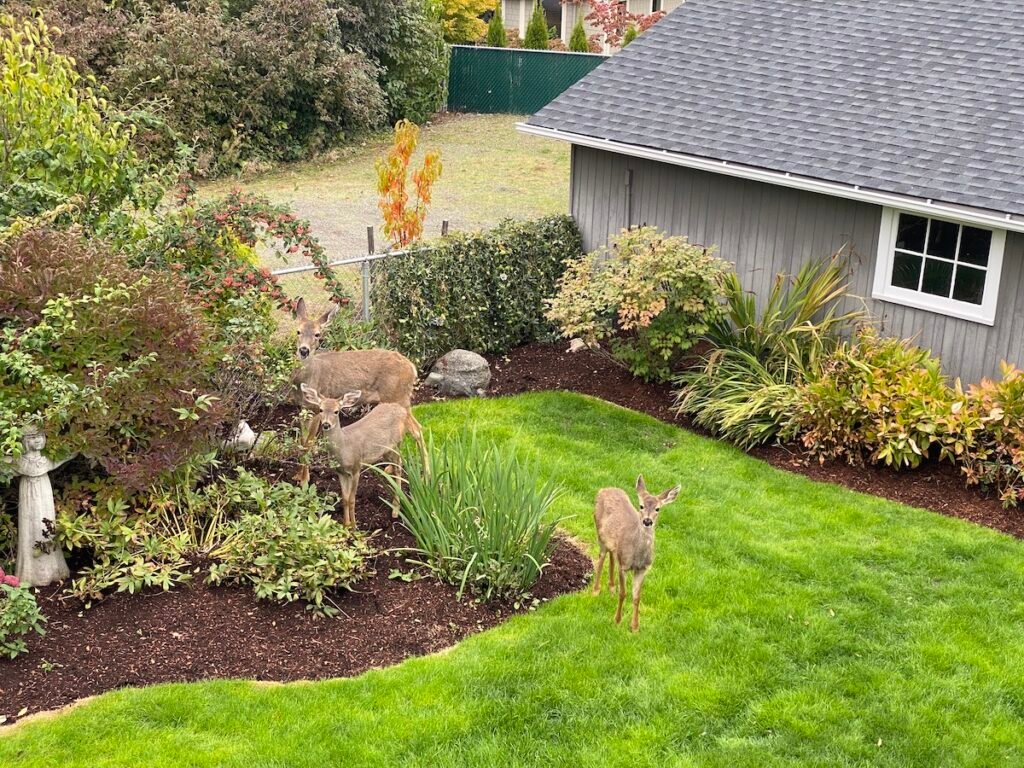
(483, 291)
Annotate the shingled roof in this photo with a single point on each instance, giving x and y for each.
(920, 98)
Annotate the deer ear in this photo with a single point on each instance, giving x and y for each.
(300, 309)
(670, 495)
(310, 395)
(327, 316)
(351, 398)
(641, 487)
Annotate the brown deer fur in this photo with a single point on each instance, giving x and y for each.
(627, 535)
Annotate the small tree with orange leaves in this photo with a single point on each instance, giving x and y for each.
(403, 210)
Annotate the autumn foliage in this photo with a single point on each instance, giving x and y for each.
(612, 18)
(405, 209)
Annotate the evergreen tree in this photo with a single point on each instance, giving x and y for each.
(630, 36)
(496, 37)
(578, 42)
(537, 30)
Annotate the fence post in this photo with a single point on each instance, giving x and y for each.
(366, 275)
(444, 228)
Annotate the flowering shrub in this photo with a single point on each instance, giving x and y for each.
(483, 291)
(651, 297)
(113, 360)
(19, 616)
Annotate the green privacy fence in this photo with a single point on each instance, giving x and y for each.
(512, 80)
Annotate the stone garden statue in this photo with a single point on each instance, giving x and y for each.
(40, 561)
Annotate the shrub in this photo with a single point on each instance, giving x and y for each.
(414, 64)
(496, 37)
(650, 297)
(112, 360)
(19, 616)
(537, 29)
(578, 41)
(482, 292)
(287, 546)
(630, 36)
(64, 146)
(238, 97)
(477, 516)
(878, 399)
(746, 387)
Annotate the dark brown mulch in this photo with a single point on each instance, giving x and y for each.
(202, 633)
(935, 486)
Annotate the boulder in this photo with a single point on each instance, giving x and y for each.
(460, 372)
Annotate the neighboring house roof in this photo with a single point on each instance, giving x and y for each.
(919, 98)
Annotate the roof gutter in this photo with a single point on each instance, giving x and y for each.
(962, 214)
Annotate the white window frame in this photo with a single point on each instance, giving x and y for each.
(984, 313)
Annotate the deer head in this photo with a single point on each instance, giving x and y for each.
(651, 504)
(330, 409)
(310, 329)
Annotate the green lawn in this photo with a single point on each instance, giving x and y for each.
(784, 623)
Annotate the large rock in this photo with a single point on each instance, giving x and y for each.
(460, 372)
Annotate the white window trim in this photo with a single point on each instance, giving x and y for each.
(984, 313)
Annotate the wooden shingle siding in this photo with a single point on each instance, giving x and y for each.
(765, 230)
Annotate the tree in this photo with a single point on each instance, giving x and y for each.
(612, 18)
(403, 219)
(496, 37)
(578, 42)
(462, 22)
(630, 35)
(537, 30)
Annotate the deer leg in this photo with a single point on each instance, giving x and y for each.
(395, 470)
(611, 571)
(622, 594)
(307, 437)
(638, 583)
(349, 485)
(598, 571)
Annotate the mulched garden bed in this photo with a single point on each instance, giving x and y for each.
(197, 632)
(935, 486)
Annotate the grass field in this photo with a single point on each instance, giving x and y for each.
(785, 623)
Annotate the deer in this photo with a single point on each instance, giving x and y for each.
(627, 535)
(380, 375)
(371, 440)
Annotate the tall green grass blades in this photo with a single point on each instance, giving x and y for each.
(478, 516)
(747, 387)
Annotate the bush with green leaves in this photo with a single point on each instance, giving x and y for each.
(112, 361)
(478, 515)
(287, 546)
(650, 297)
(578, 42)
(746, 387)
(483, 292)
(414, 63)
(496, 36)
(19, 616)
(65, 147)
(876, 399)
(537, 29)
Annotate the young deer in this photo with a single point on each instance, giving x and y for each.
(627, 535)
(371, 440)
(381, 375)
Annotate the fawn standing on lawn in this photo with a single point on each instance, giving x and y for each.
(380, 375)
(371, 440)
(627, 536)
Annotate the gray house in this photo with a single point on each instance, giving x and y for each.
(782, 130)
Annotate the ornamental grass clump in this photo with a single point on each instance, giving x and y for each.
(478, 516)
(650, 297)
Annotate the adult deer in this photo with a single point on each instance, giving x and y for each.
(627, 535)
(379, 375)
(371, 440)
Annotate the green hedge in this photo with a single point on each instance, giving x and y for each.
(482, 291)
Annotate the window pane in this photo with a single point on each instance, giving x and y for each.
(906, 271)
(974, 245)
(910, 235)
(970, 285)
(938, 277)
(942, 239)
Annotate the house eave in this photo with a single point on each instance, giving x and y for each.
(966, 215)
